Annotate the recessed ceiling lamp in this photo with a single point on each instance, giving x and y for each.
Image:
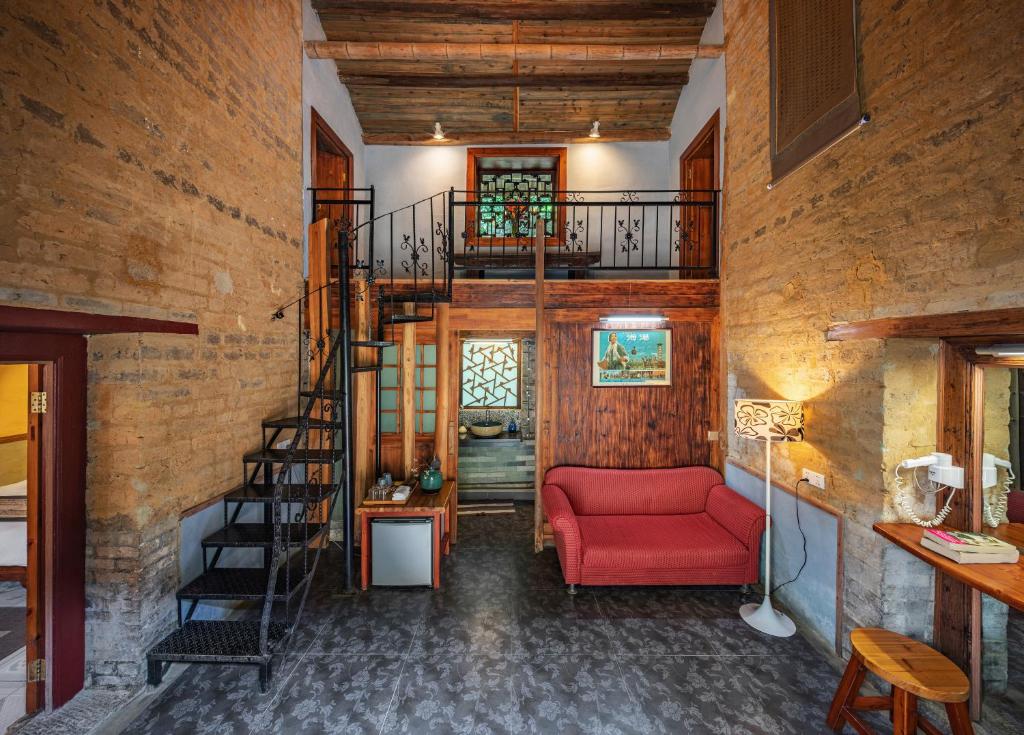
(1002, 350)
(594, 130)
(438, 133)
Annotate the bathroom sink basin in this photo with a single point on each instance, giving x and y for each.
(486, 429)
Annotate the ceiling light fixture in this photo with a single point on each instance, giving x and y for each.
(438, 133)
(594, 130)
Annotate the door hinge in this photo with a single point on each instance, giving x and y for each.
(38, 402)
(36, 670)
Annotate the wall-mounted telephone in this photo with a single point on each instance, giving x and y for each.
(942, 474)
(990, 464)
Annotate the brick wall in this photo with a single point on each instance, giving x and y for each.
(919, 212)
(154, 170)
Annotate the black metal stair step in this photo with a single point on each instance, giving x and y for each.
(216, 641)
(407, 318)
(293, 422)
(262, 534)
(366, 369)
(419, 297)
(327, 395)
(290, 493)
(246, 584)
(299, 456)
(373, 343)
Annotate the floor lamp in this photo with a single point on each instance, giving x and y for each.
(769, 422)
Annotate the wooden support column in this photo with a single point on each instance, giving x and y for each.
(540, 422)
(957, 632)
(408, 365)
(364, 393)
(445, 428)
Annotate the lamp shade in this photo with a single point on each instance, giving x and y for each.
(767, 420)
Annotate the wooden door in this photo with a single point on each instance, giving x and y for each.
(698, 175)
(330, 168)
(35, 589)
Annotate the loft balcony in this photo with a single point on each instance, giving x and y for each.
(479, 234)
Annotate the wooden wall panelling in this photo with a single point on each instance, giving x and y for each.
(656, 426)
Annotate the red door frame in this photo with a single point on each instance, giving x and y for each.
(62, 489)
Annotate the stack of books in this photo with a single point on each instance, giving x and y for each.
(969, 548)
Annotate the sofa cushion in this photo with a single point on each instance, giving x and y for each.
(642, 542)
(593, 491)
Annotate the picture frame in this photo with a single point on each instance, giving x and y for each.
(639, 357)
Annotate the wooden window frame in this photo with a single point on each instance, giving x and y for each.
(418, 390)
(560, 153)
(397, 390)
(519, 371)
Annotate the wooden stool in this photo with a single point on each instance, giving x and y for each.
(914, 670)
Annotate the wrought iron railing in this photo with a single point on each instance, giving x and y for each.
(658, 231)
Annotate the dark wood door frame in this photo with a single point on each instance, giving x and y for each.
(320, 130)
(61, 555)
(697, 222)
(56, 341)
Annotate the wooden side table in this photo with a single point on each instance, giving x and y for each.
(441, 507)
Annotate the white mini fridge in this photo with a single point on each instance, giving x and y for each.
(402, 552)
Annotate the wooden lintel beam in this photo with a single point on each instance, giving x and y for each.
(467, 11)
(530, 136)
(988, 323)
(490, 81)
(391, 51)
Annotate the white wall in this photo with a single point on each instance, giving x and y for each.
(322, 90)
(405, 174)
(702, 95)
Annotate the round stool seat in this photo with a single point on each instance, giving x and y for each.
(910, 665)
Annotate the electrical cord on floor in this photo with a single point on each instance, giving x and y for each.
(796, 490)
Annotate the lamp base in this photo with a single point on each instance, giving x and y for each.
(767, 619)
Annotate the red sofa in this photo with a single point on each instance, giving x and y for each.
(675, 526)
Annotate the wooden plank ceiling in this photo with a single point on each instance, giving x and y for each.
(512, 71)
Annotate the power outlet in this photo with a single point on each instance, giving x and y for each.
(815, 478)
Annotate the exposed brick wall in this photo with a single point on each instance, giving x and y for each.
(151, 167)
(919, 212)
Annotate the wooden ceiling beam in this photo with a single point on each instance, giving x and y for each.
(509, 52)
(533, 136)
(467, 10)
(490, 81)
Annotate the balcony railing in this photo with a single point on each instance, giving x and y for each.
(640, 232)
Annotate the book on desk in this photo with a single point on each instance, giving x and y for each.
(969, 548)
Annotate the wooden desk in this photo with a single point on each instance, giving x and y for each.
(441, 507)
(1004, 582)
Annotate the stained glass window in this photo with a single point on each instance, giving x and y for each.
(490, 373)
(512, 200)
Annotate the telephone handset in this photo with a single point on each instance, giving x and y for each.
(941, 474)
(990, 464)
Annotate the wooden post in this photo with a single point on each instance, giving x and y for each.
(444, 423)
(364, 394)
(408, 365)
(540, 421)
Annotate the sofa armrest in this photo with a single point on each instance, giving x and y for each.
(567, 531)
(737, 515)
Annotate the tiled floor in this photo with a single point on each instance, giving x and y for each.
(503, 649)
(12, 666)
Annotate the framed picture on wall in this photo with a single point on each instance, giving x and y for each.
(632, 357)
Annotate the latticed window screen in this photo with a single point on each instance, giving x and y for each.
(490, 374)
(426, 388)
(391, 392)
(512, 201)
